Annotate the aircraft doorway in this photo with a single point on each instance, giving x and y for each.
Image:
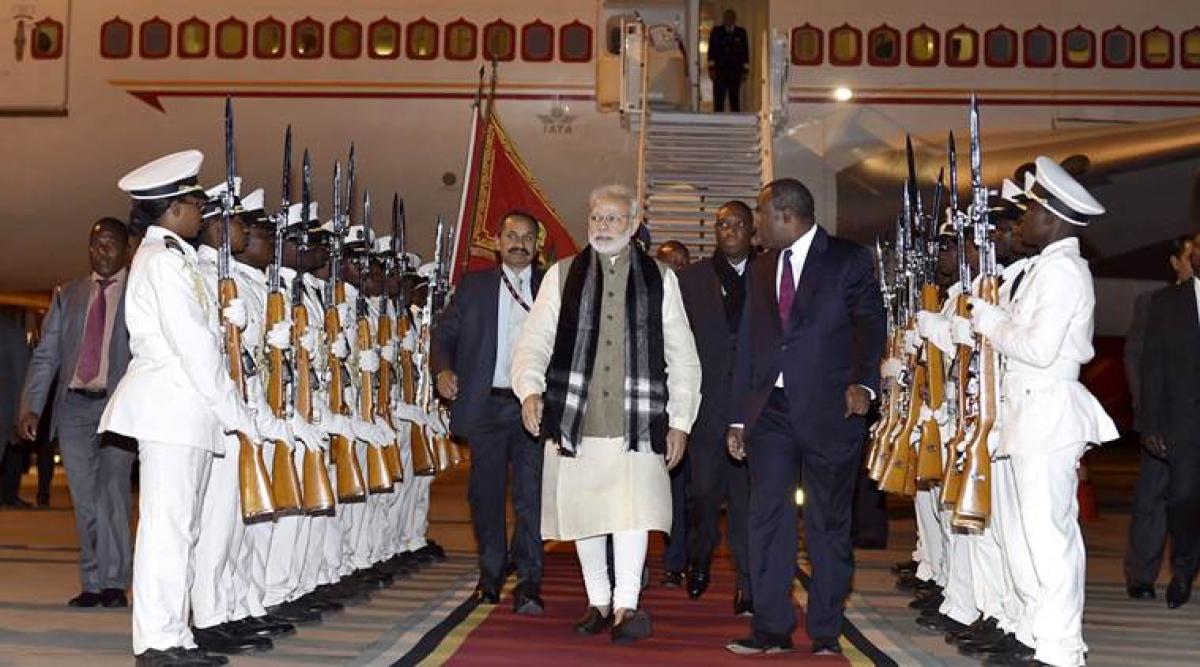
(754, 17)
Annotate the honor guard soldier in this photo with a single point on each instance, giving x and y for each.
(1045, 335)
(176, 399)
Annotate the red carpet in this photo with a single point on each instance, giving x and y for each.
(686, 632)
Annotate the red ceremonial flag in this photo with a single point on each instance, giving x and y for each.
(497, 182)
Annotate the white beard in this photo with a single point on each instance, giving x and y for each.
(609, 247)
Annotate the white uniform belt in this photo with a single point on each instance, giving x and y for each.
(1062, 370)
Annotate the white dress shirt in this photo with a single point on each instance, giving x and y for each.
(509, 318)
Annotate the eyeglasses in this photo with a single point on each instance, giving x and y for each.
(609, 220)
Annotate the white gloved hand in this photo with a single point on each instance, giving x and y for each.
(942, 415)
(235, 313)
(410, 342)
(345, 313)
(986, 318)
(339, 425)
(960, 331)
(340, 347)
(368, 361)
(244, 424)
(272, 428)
(364, 431)
(309, 436)
(309, 341)
(388, 353)
(891, 367)
(926, 321)
(911, 339)
(280, 335)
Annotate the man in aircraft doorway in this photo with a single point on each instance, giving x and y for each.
(728, 61)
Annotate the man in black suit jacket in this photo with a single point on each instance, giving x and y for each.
(714, 291)
(805, 372)
(1169, 419)
(472, 347)
(728, 61)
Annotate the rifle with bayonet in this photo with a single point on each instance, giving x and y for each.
(385, 338)
(285, 483)
(350, 485)
(929, 459)
(379, 477)
(963, 422)
(253, 483)
(423, 460)
(891, 390)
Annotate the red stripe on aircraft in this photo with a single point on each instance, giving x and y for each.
(154, 97)
(999, 101)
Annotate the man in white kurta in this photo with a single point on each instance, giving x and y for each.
(604, 483)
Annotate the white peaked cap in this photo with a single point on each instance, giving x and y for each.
(168, 176)
(296, 214)
(255, 201)
(1012, 193)
(358, 235)
(383, 244)
(426, 270)
(1059, 192)
(217, 191)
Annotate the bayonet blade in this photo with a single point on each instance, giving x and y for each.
(286, 196)
(952, 158)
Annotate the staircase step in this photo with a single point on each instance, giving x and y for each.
(705, 185)
(720, 119)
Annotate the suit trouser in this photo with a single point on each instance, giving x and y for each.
(776, 456)
(716, 477)
(500, 443)
(220, 526)
(172, 480)
(870, 520)
(1147, 521)
(1023, 593)
(1183, 508)
(727, 84)
(1046, 489)
(98, 477)
(676, 542)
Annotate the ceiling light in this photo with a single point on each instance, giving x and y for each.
(843, 94)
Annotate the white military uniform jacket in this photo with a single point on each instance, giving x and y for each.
(1045, 335)
(177, 389)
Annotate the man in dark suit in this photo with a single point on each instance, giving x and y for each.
(1148, 516)
(14, 358)
(1169, 421)
(472, 347)
(84, 344)
(714, 291)
(805, 372)
(675, 255)
(728, 61)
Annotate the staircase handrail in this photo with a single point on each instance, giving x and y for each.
(644, 106)
(764, 112)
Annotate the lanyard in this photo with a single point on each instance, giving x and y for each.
(513, 291)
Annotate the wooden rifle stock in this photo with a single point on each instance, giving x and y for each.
(424, 463)
(285, 483)
(350, 486)
(317, 489)
(254, 486)
(974, 505)
(879, 453)
(383, 406)
(379, 479)
(928, 470)
(900, 466)
(952, 476)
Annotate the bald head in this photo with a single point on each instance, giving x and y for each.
(674, 254)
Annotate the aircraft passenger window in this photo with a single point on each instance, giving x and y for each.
(845, 46)
(193, 38)
(116, 39)
(345, 39)
(460, 40)
(500, 39)
(231, 39)
(47, 42)
(922, 47)
(613, 31)
(575, 43)
(1079, 48)
(422, 40)
(385, 39)
(155, 38)
(1039, 48)
(883, 47)
(537, 42)
(268, 39)
(1157, 48)
(1000, 46)
(307, 39)
(806, 45)
(1189, 49)
(961, 47)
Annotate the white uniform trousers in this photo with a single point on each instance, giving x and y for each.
(286, 551)
(221, 526)
(172, 481)
(1046, 490)
(407, 502)
(334, 527)
(419, 519)
(988, 573)
(361, 543)
(1018, 559)
(250, 576)
(931, 550)
(959, 589)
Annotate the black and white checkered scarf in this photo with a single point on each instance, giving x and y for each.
(574, 355)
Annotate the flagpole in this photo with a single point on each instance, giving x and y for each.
(473, 204)
(468, 174)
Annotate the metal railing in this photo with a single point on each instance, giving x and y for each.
(644, 123)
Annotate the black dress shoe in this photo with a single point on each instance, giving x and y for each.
(757, 646)
(487, 595)
(981, 630)
(263, 626)
(433, 551)
(177, 657)
(697, 583)
(397, 567)
(635, 626)
(318, 603)
(826, 646)
(295, 614)
(904, 567)
(86, 599)
(939, 624)
(1140, 591)
(113, 597)
(16, 504)
(742, 605)
(1020, 656)
(220, 639)
(927, 601)
(672, 579)
(593, 622)
(984, 648)
(43, 502)
(528, 604)
(1178, 593)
